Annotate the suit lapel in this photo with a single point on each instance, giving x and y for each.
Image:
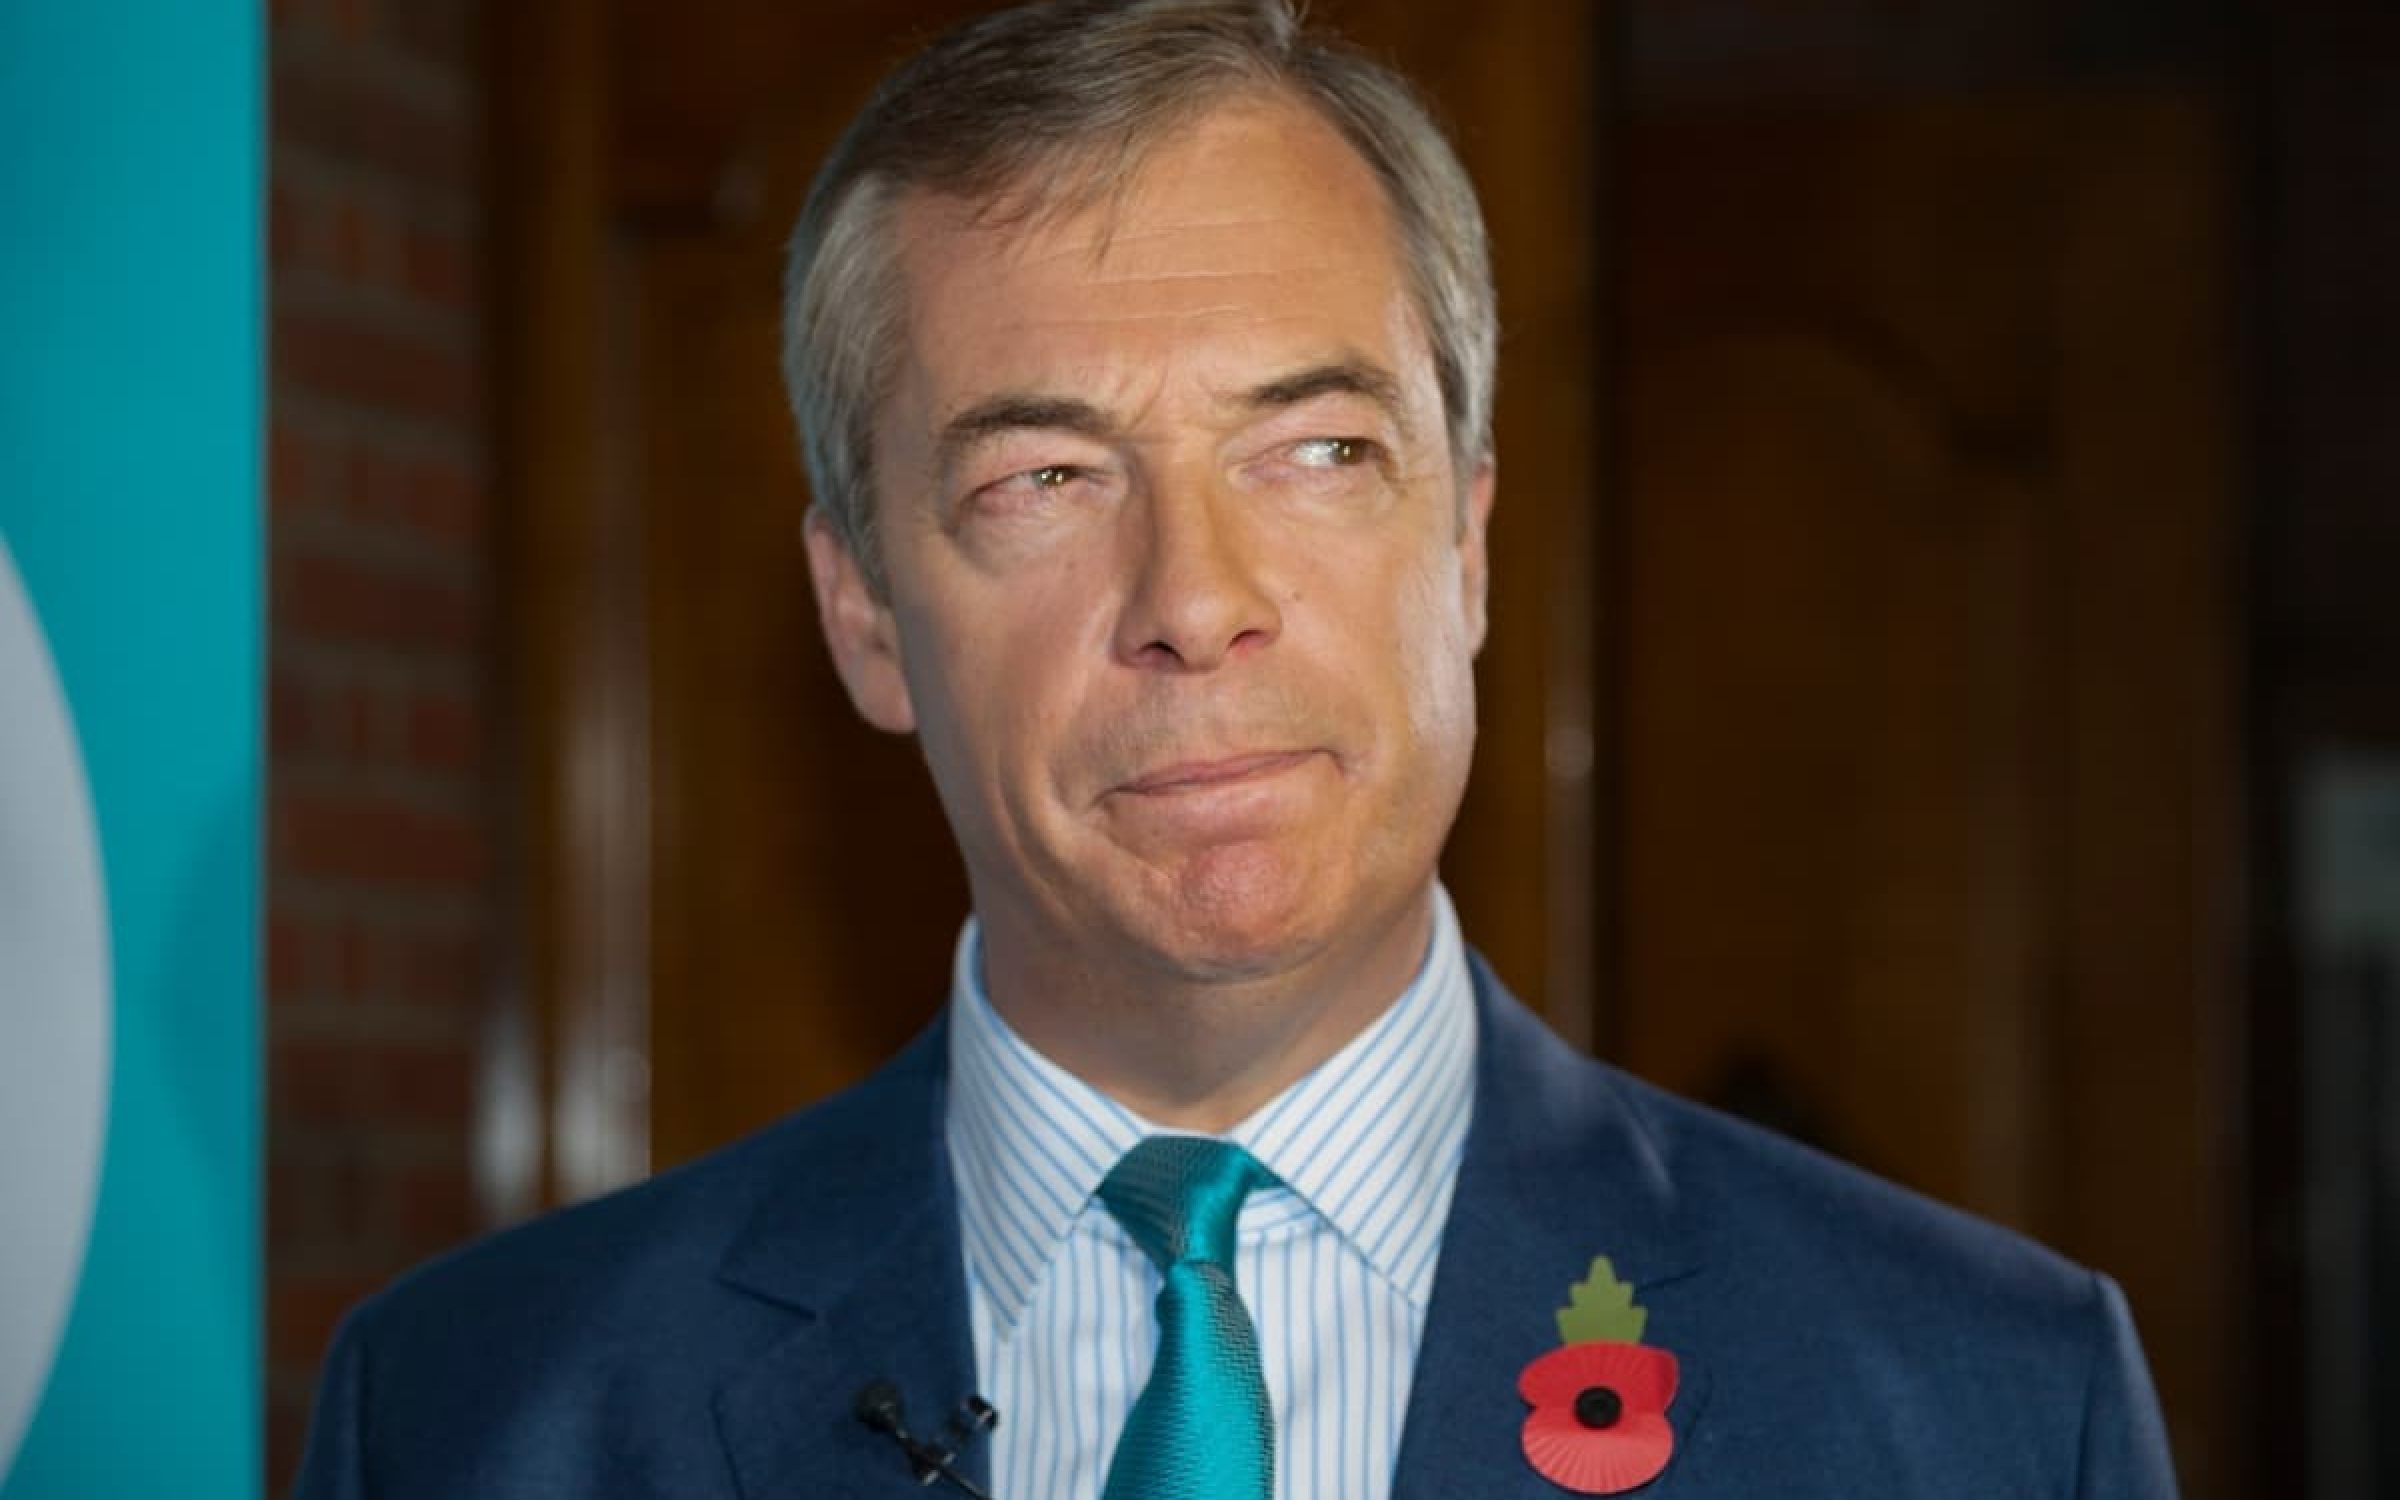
(853, 1257)
(1557, 1170)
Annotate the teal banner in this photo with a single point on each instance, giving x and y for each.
(131, 301)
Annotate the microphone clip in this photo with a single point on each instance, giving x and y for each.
(878, 1406)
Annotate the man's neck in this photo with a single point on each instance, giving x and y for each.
(1200, 1053)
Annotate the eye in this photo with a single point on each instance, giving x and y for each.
(1040, 490)
(1332, 452)
(1024, 484)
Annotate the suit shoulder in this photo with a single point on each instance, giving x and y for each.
(1787, 1220)
(1748, 1192)
(599, 1263)
(576, 1252)
(1871, 1286)
(590, 1342)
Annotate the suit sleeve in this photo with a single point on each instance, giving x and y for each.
(2124, 1451)
(334, 1466)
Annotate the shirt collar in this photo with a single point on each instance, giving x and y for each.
(1369, 1140)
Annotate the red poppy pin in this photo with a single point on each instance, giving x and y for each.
(1599, 1419)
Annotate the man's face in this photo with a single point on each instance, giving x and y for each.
(1184, 587)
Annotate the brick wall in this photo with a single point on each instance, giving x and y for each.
(380, 662)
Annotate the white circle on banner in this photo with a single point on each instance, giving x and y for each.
(55, 1020)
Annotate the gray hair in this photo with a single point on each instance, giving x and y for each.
(1051, 105)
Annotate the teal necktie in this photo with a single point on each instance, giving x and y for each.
(1201, 1429)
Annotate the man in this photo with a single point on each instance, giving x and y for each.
(1143, 355)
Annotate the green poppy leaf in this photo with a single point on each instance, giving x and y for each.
(1602, 1309)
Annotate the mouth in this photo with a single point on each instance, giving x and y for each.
(1190, 776)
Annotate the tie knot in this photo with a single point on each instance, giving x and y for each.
(1179, 1196)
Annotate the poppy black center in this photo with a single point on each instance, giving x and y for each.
(1598, 1406)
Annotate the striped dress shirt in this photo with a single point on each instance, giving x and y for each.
(1335, 1262)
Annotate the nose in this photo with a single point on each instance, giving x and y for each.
(1198, 599)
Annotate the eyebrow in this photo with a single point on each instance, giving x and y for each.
(1347, 377)
(1019, 412)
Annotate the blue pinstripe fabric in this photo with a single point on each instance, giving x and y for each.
(1335, 1259)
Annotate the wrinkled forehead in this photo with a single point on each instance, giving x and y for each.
(1261, 213)
(1225, 191)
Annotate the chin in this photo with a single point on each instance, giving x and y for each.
(1240, 913)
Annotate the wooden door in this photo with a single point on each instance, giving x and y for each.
(805, 894)
(1926, 663)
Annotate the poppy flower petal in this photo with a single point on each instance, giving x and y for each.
(1643, 1377)
(1609, 1461)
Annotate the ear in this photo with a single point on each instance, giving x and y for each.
(859, 630)
(1474, 558)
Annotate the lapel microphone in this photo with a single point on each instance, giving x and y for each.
(878, 1406)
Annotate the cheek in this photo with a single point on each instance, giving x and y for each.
(990, 685)
(942, 666)
(1437, 655)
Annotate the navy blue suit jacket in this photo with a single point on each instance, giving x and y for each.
(705, 1334)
